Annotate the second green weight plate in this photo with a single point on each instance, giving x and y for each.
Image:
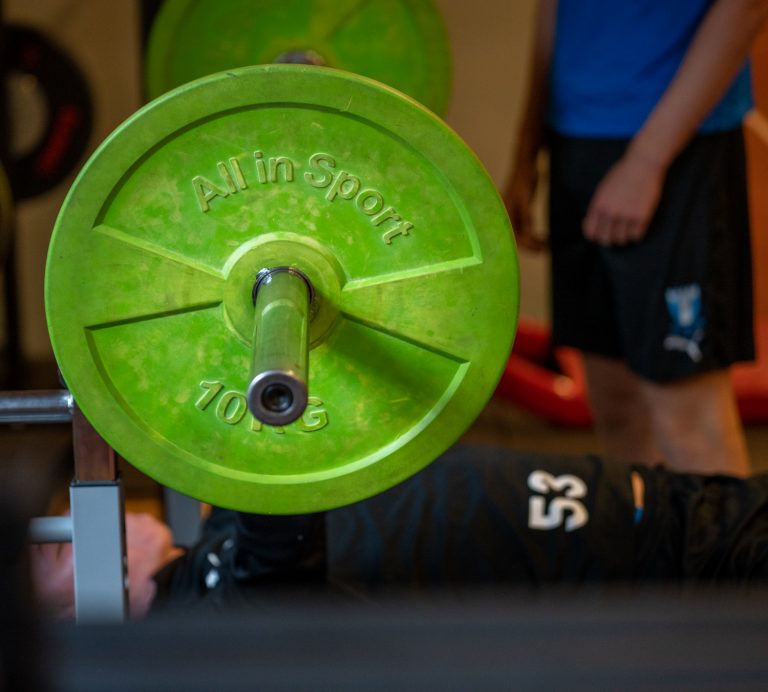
(402, 43)
(392, 218)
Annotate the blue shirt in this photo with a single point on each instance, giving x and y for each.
(613, 59)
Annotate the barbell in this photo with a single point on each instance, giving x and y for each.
(282, 288)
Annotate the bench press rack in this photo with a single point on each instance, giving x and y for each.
(96, 523)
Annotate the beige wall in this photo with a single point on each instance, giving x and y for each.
(491, 45)
(102, 37)
(489, 41)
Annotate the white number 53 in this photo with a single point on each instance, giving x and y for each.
(559, 510)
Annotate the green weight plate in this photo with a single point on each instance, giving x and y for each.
(372, 197)
(402, 43)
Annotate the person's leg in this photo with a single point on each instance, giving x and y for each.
(620, 413)
(697, 426)
(691, 425)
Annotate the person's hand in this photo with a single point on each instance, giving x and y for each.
(149, 547)
(624, 202)
(53, 578)
(518, 198)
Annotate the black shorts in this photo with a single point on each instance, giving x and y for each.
(676, 304)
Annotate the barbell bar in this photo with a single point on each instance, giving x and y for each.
(277, 388)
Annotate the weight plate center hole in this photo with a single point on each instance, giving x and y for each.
(277, 398)
(301, 57)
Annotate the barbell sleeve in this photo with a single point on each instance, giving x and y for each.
(36, 406)
(277, 389)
